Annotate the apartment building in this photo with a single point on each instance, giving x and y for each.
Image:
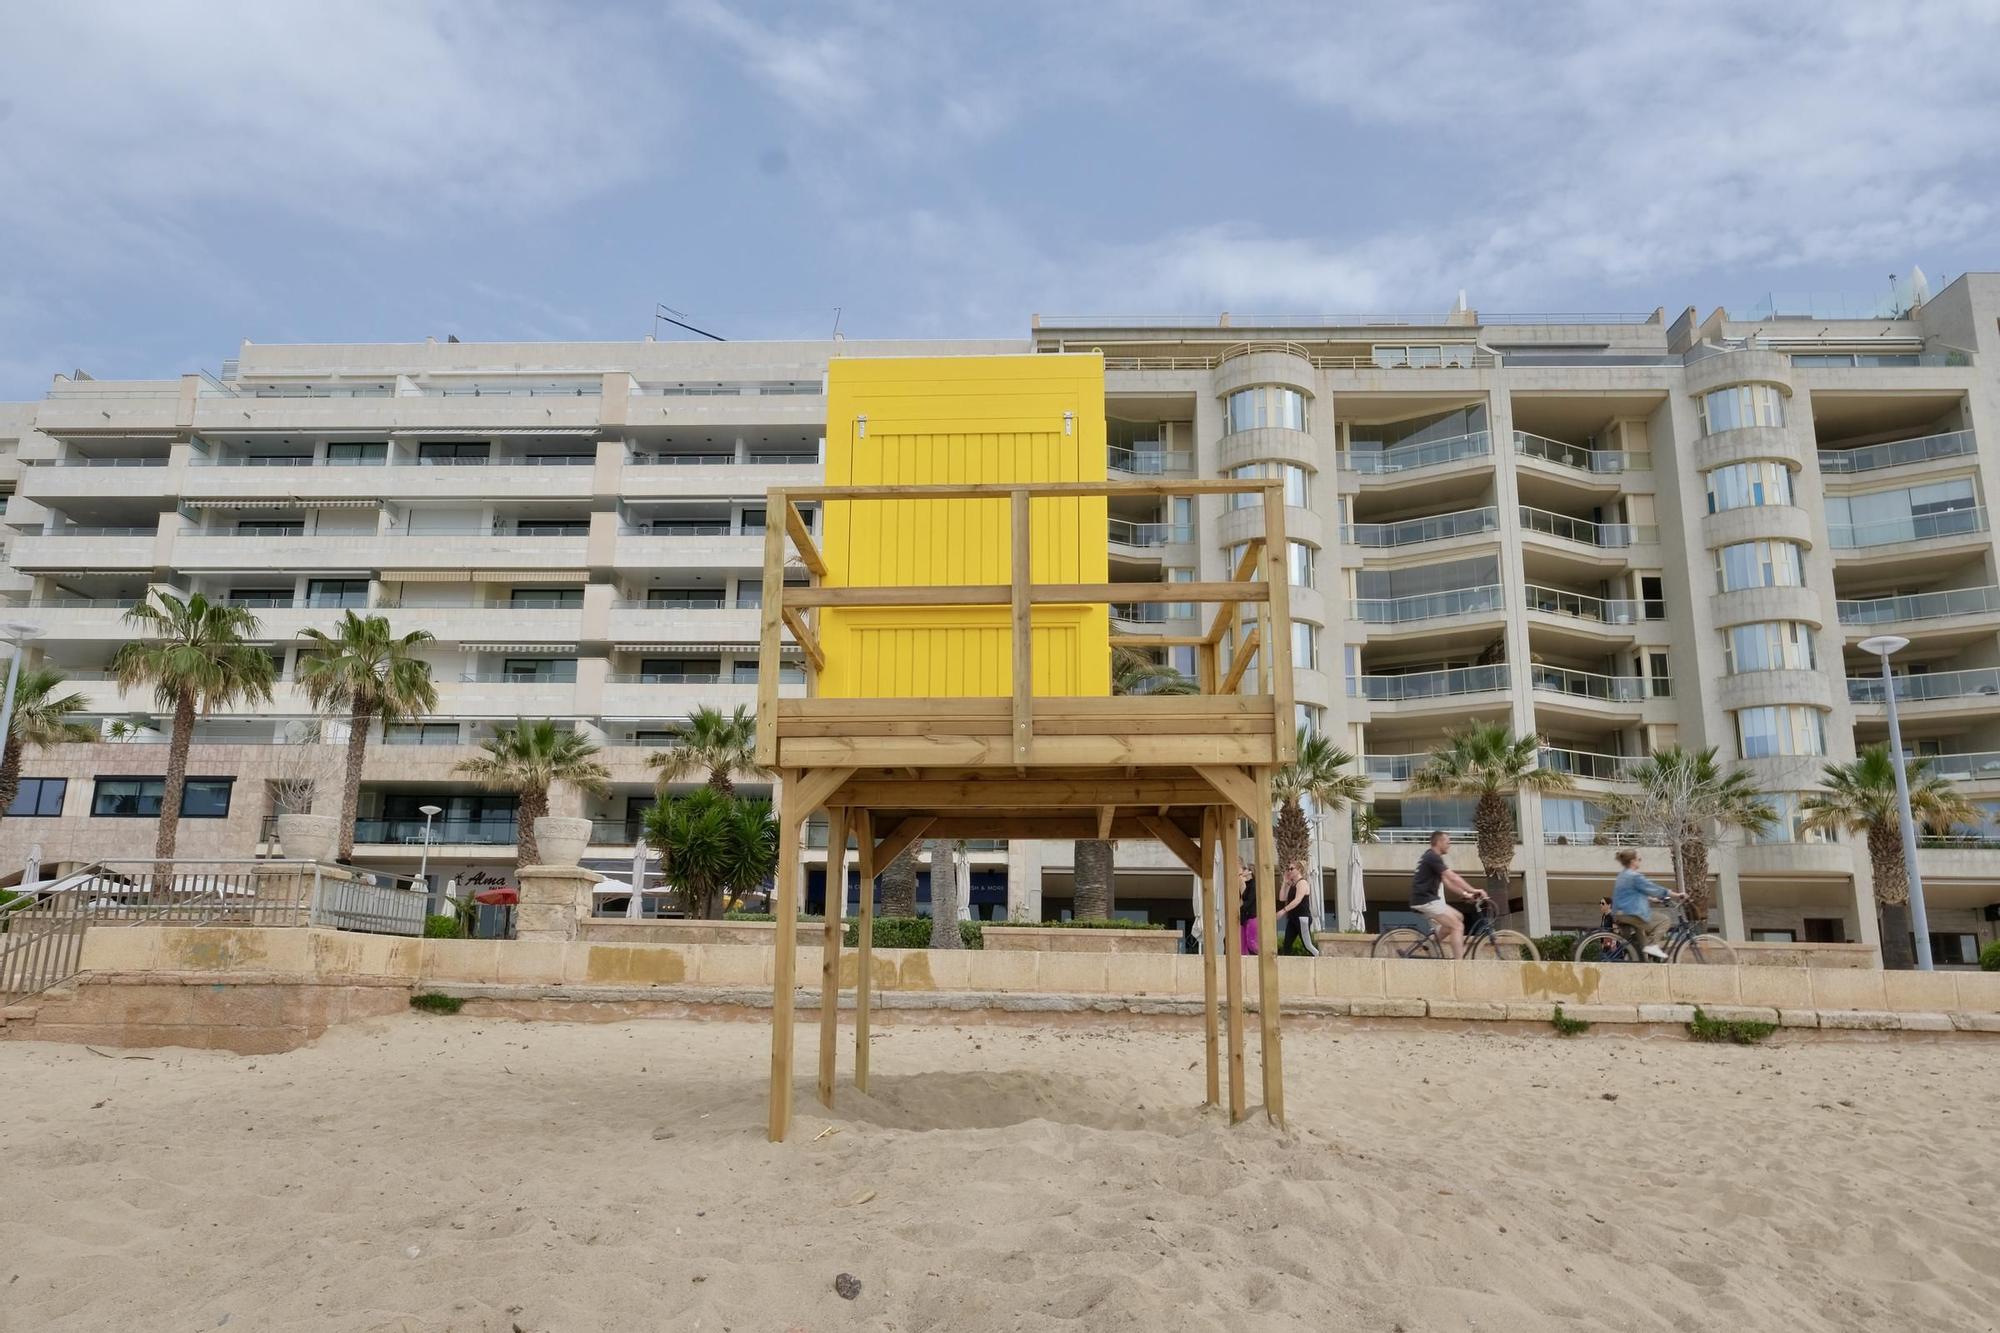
(1615, 532)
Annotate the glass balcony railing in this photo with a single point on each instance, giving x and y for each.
(666, 678)
(1920, 606)
(1422, 834)
(1608, 611)
(1125, 533)
(1896, 453)
(1392, 767)
(1430, 684)
(1428, 606)
(1591, 685)
(1145, 613)
(1914, 528)
(1929, 685)
(1982, 766)
(1609, 536)
(1148, 462)
(410, 832)
(1589, 764)
(1411, 531)
(615, 832)
(1422, 453)
(1601, 462)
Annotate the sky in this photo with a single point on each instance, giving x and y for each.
(179, 175)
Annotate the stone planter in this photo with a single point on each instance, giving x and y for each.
(560, 839)
(308, 837)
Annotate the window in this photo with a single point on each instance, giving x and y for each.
(1305, 646)
(1906, 514)
(1771, 936)
(453, 454)
(1777, 645)
(1759, 565)
(743, 672)
(685, 599)
(258, 597)
(753, 522)
(271, 527)
(1299, 564)
(1742, 405)
(545, 599)
(1266, 405)
(552, 527)
(553, 669)
(374, 453)
(749, 595)
(420, 733)
(336, 592)
(680, 670)
(139, 798)
(39, 798)
(1790, 824)
(1787, 729)
(1742, 485)
(1181, 659)
(1298, 484)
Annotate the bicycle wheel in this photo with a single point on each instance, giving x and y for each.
(1604, 946)
(1402, 942)
(1704, 949)
(1507, 945)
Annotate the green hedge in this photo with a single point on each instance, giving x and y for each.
(1989, 957)
(1101, 923)
(891, 932)
(445, 927)
(1557, 948)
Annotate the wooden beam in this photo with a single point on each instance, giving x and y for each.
(1022, 628)
(785, 961)
(768, 638)
(864, 938)
(1174, 840)
(829, 964)
(1054, 750)
(796, 623)
(1001, 594)
(1239, 661)
(1230, 892)
(1105, 815)
(1236, 787)
(1267, 958)
(1278, 574)
(1158, 640)
(1211, 822)
(1019, 824)
(1022, 793)
(898, 839)
(814, 786)
(801, 535)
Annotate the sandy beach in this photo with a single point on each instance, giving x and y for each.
(458, 1173)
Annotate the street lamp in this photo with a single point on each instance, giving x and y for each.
(17, 632)
(429, 812)
(1883, 645)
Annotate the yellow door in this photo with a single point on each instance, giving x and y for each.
(973, 419)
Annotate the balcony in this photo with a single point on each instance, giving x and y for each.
(460, 832)
(1978, 767)
(1603, 611)
(1604, 536)
(1429, 606)
(1897, 453)
(1148, 462)
(1392, 767)
(1591, 685)
(1920, 606)
(79, 547)
(1917, 527)
(1588, 764)
(1597, 462)
(1448, 683)
(1974, 683)
(310, 551)
(1422, 454)
(1415, 531)
(1149, 535)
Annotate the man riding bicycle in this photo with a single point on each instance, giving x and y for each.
(1632, 899)
(1432, 884)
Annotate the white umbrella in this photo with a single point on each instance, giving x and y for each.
(1357, 890)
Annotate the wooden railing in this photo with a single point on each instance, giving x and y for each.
(1258, 581)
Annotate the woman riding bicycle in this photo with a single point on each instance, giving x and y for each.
(1632, 899)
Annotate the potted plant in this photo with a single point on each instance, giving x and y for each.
(305, 762)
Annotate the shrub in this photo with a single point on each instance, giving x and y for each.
(914, 932)
(433, 1003)
(1101, 923)
(1989, 957)
(1741, 1031)
(443, 927)
(1564, 1025)
(1556, 948)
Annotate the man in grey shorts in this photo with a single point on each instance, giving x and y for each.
(1433, 883)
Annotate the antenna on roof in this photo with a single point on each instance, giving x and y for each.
(836, 323)
(678, 320)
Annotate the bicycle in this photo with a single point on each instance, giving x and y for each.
(1686, 942)
(1482, 941)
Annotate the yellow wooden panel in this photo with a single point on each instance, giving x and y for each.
(978, 419)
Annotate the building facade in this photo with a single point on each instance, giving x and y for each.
(1614, 532)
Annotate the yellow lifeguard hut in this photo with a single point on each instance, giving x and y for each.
(958, 643)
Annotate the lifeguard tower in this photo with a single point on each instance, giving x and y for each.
(958, 643)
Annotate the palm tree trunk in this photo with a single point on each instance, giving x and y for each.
(1096, 891)
(1892, 894)
(176, 784)
(1293, 835)
(720, 780)
(528, 807)
(944, 897)
(10, 775)
(899, 885)
(350, 788)
(1893, 922)
(1694, 868)
(1493, 832)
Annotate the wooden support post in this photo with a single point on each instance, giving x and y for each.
(1267, 956)
(1230, 891)
(1023, 631)
(1211, 821)
(829, 967)
(1278, 570)
(770, 620)
(785, 961)
(864, 937)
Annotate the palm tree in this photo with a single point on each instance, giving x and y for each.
(1487, 760)
(1861, 798)
(1364, 825)
(1682, 796)
(196, 656)
(1095, 873)
(713, 847)
(41, 719)
(899, 884)
(371, 673)
(720, 744)
(944, 894)
(1319, 775)
(528, 759)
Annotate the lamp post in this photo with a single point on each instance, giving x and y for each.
(17, 632)
(1883, 645)
(431, 903)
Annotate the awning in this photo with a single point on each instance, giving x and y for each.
(490, 432)
(557, 649)
(426, 575)
(292, 502)
(683, 648)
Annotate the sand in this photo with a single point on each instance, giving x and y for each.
(457, 1173)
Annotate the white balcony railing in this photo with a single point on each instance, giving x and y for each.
(1920, 606)
(1599, 462)
(1930, 685)
(1915, 527)
(1412, 531)
(1579, 606)
(1897, 453)
(1606, 536)
(1430, 684)
(1429, 606)
(1591, 685)
(1423, 453)
(1589, 764)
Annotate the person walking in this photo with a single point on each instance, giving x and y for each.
(1296, 909)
